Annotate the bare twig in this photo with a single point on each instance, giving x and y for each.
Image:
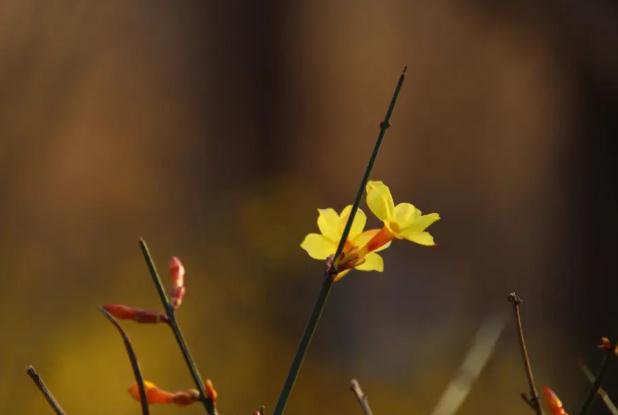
(332, 271)
(602, 392)
(477, 357)
(139, 378)
(208, 404)
(38, 381)
(533, 399)
(362, 399)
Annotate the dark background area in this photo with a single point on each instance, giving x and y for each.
(215, 129)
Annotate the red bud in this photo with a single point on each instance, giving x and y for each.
(177, 272)
(139, 315)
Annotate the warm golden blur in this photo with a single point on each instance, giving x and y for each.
(215, 129)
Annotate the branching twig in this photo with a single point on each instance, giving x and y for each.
(598, 381)
(362, 399)
(533, 399)
(38, 381)
(602, 393)
(332, 271)
(173, 323)
(139, 378)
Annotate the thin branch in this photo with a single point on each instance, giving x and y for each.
(38, 381)
(139, 378)
(602, 392)
(362, 399)
(533, 399)
(598, 381)
(208, 404)
(477, 357)
(331, 272)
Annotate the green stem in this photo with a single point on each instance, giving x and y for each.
(318, 308)
(600, 376)
(173, 323)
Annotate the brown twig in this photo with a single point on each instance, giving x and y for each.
(139, 378)
(38, 381)
(360, 397)
(602, 392)
(533, 398)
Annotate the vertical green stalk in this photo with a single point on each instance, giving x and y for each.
(173, 323)
(318, 308)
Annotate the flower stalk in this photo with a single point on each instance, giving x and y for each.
(332, 269)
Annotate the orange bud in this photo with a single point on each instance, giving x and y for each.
(186, 397)
(553, 402)
(607, 345)
(178, 296)
(177, 272)
(153, 393)
(139, 315)
(210, 390)
(156, 395)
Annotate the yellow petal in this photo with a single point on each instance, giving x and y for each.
(360, 219)
(317, 246)
(405, 215)
(373, 262)
(424, 221)
(329, 224)
(421, 238)
(380, 200)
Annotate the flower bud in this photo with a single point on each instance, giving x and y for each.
(607, 345)
(139, 315)
(553, 402)
(210, 390)
(177, 273)
(153, 393)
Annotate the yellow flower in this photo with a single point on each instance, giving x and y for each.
(402, 221)
(324, 244)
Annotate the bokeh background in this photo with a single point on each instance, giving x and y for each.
(215, 130)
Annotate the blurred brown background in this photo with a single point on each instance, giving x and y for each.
(215, 129)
